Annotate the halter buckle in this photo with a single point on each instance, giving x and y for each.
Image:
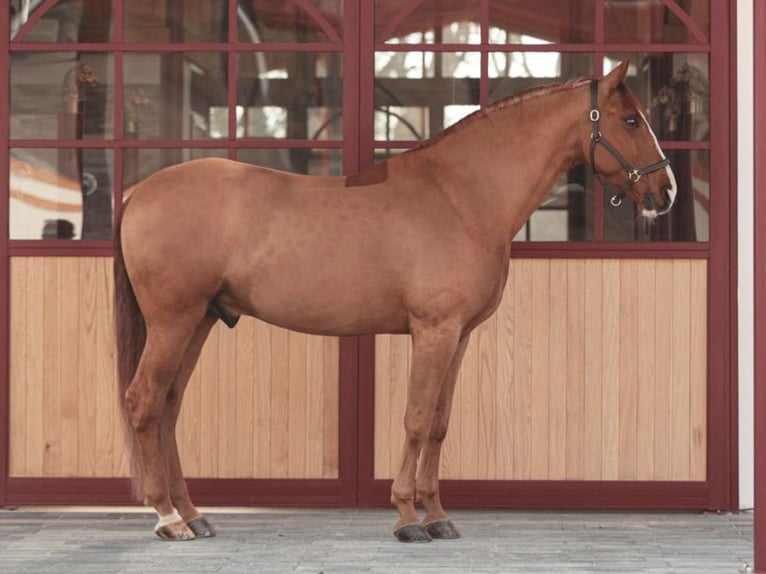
(616, 200)
(634, 176)
(595, 115)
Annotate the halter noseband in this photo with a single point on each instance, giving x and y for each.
(634, 174)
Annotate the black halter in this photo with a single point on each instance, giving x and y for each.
(634, 174)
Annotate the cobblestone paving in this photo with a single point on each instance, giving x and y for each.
(360, 541)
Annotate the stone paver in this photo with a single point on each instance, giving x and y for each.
(360, 541)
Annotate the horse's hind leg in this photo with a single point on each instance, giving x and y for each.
(436, 522)
(146, 398)
(179, 494)
(433, 349)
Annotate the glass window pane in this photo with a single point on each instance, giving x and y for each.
(67, 21)
(432, 21)
(652, 22)
(414, 90)
(140, 163)
(513, 72)
(296, 95)
(61, 193)
(148, 21)
(267, 21)
(542, 21)
(298, 160)
(567, 213)
(688, 220)
(675, 91)
(61, 95)
(171, 96)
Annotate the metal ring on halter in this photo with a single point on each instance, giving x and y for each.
(616, 200)
(595, 115)
(634, 176)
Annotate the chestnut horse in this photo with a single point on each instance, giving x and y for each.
(418, 245)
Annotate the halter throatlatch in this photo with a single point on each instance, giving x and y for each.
(634, 174)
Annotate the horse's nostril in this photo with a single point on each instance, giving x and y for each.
(649, 202)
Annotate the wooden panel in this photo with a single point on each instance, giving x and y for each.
(599, 370)
(262, 403)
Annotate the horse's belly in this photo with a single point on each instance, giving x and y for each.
(337, 310)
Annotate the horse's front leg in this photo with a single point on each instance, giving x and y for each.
(432, 350)
(436, 522)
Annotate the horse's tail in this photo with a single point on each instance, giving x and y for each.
(130, 335)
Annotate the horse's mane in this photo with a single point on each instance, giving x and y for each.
(483, 113)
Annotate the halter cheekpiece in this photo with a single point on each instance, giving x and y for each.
(634, 174)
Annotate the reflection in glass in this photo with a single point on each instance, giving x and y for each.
(60, 193)
(296, 95)
(179, 21)
(675, 91)
(688, 220)
(567, 213)
(68, 21)
(267, 21)
(170, 96)
(513, 72)
(413, 90)
(61, 95)
(652, 22)
(432, 21)
(304, 160)
(542, 21)
(140, 163)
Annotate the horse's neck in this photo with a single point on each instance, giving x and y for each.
(504, 165)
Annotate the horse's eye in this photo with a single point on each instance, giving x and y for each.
(631, 122)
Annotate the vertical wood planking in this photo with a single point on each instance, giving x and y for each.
(629, 343)
(85, 280)
(557, 448)
(698, 371)
(520, 418)
(383, 406)
(505, 421)
(610, 393)
(575, 386)
(65, 420)
(244, 412)
(587, 352)
(593, 349)
(330, 408)
(19, 427)
(50, 353)
(541, 326)
(486, 340)
(680, 392)
(663, 376)
(646, 369)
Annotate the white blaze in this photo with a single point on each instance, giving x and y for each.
(673, 190)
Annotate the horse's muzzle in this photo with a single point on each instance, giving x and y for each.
(669, 199)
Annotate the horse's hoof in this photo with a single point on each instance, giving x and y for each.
(442, 529)
(175, 531)
(201, 527)
(412, 533)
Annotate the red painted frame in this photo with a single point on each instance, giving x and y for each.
(720, 490)
(356, 483)
(759, 189)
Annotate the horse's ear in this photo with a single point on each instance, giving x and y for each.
(616, 76)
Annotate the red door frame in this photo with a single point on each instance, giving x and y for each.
(356, 483)
(281, 492)
(720, 490)
(759, 248)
